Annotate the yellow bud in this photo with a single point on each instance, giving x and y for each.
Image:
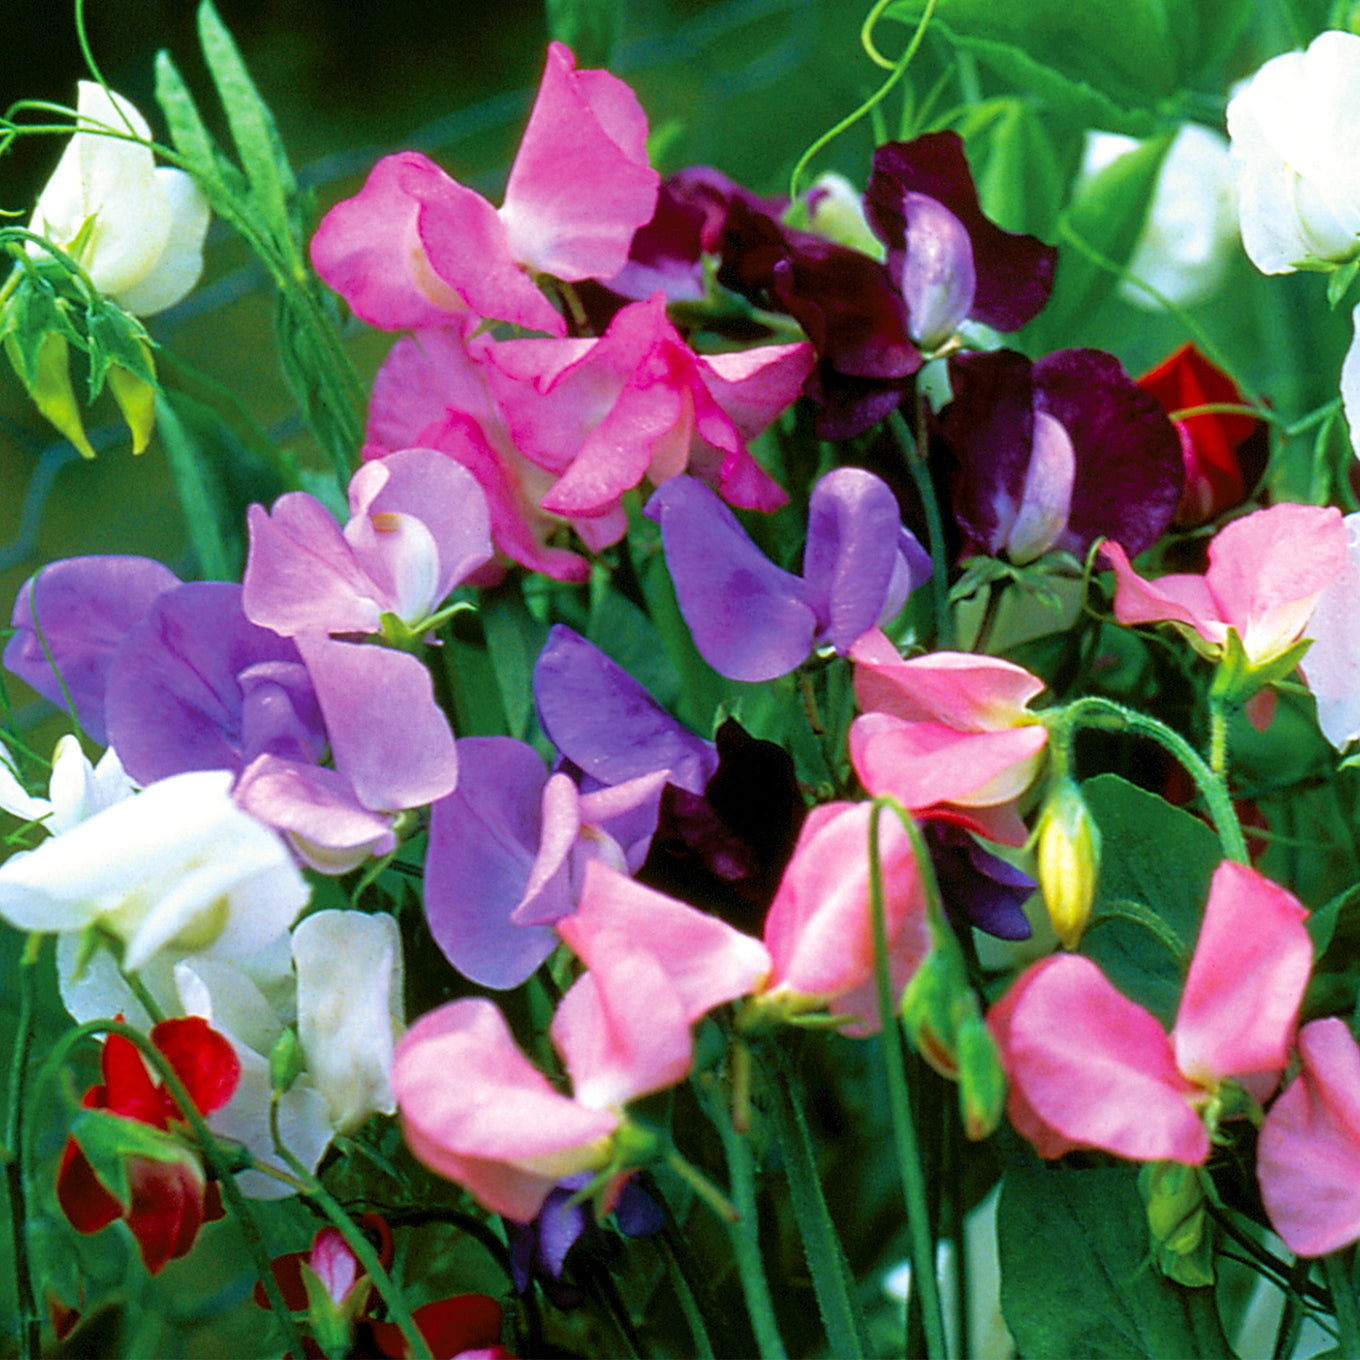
(136, 399)
(1069, 861)
(50, 387)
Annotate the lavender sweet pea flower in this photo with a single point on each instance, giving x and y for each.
(753, 621)
(84, 607)
(1056, 453)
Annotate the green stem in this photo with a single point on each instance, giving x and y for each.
(925, 488)
(924, 1282)
(1218, 738)
(1336, 1268)
(16, 1160)
(1106, 715)
(207, 1146)
(745, 1232)
(832, 1280)
(357, 1243)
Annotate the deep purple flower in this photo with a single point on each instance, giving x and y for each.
(84, 607)
(750, 619)
(977, 887)
(1057, 452)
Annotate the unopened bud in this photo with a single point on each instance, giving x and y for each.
(136, 399)
(1069, 861)
(49, 384)
(1178, 1221)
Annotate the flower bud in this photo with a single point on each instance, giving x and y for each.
(49, 384)
(1177, 1218)
(1069, 861)
(136, 399)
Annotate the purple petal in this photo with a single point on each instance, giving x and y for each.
(935, 271)
(1014, 272)
(197, 686)
(854, 553)
(482, 842)
(1129, 469)
(388, 736)
(605, 722)
(749, 618)
(976, 886)
(85, 608)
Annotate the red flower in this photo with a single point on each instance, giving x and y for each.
(1224, 453)
(167, 1196)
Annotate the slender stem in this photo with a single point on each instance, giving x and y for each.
(745, 1232)
(685, 1292)
(16, 1160)
(1106, 715)
(832, 1280)
(924, 1282)
(939, 565)
(1218, 738)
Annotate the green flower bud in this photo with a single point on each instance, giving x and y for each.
(49, 384)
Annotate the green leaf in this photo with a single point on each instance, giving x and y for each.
(1156, 864)
(1076, 1277)
(589, 27)
(273, 189)
(514, 639)
(218, 178)
(1107, 213)
(626, 635)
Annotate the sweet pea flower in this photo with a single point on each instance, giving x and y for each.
(1224, 453)
(1190, 233)
(166, 1193)
(1266, 572)
(136, 229)
(1091, 1069)
(750, 619)
(76, 790)
(1055, 453)
(177, 867)
(949, 735)
(415, 248)
(1308, 1155)
(1332, 666)
(1293, 147)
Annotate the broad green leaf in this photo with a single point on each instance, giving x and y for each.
(514, 639)
(1076, 1273)
(258, 144)
(1106, 213)
(1156, 862)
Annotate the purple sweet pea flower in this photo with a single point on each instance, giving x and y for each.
(1057, 452)
(508, 850)
(977, 887)
(605, 724)
(85, 607)
(753, 621)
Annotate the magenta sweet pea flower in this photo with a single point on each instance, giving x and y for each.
(949, 735)
(1265, 574)
(1308, 1155)
(638, 404)
(415, 247)
(754, 621)
(1090, 1068)
(1056, 453)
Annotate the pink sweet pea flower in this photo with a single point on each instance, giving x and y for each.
(603, 415)
(1091, 1069)
(1265, 573)
(948, 735)
(1308, 1156)
(415, 247)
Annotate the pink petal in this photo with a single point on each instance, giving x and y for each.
(368, 249)
(1308, 1156)
(1246, 979)
(1180, 599)
(1097, 1069)
(474, 1109)
(580, 185)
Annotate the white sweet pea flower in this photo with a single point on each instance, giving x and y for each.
(1350, 382)
(177, 867)
(1295, 150)
(1332, 665)
(1190, 235)
(349, 1001)
(144, 242)
(76, 789)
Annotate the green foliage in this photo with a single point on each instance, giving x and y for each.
(589, 27)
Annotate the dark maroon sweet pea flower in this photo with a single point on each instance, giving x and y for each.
(753, 621)
(84, 607)
(977, 887)
(197, 686)
(605, 724)
(1012, 274)
(1057, 453)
